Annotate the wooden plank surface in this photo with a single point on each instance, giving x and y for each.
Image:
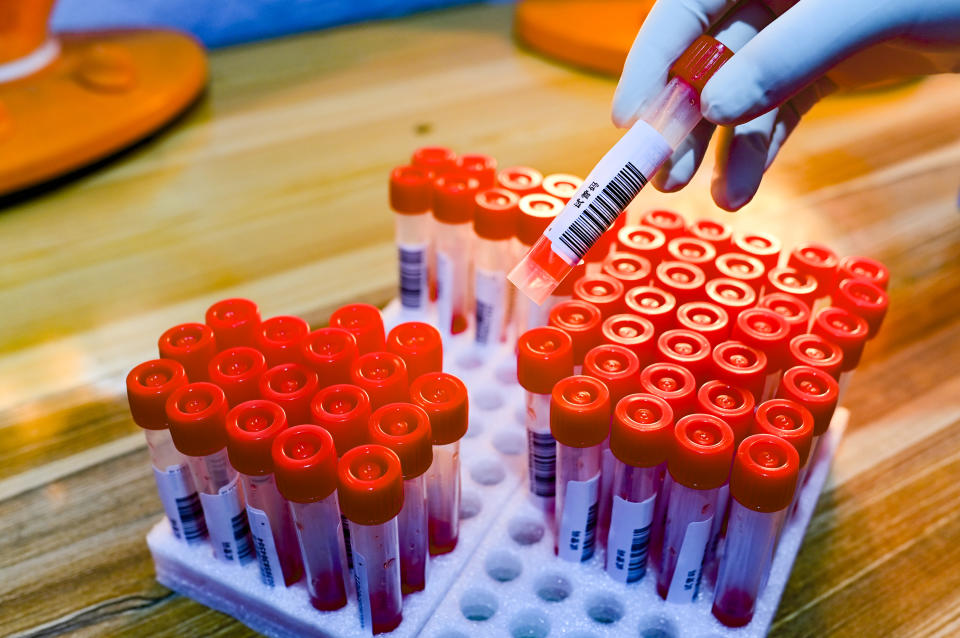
(273, 187)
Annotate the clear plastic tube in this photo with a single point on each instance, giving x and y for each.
(176, 488)
(541, 447)
(686, 535)
(490, 289)
(577, 501)
(319, 532)
(376, 573)
(453, 276)
(274, 535)
(223, 506)
(443, 498)
(634, 495)
(414, 256)
(412, 530)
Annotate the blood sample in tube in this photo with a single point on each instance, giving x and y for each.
(673, 383)
(768, 332)
(705, 318)
(410, 193)
(235, 322)
(344, 411)
(846, 330)
(330, 352)
(791, 422)
(495, 226)
(237, 371)
(291, 386)
(453, 208)
(364, 322)
(583, 322)
(633, 332)
(815, 390)
(279, 339)
(419, 345)
(655, 304)
(192, 345)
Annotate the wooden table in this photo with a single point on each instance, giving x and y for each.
(274, 187)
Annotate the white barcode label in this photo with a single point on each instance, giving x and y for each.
(445, 291)
(542, 463)
(608, 189)
(629, 538)
(491, 304)
(228, 524)
(576, 538)
(413, 275)
(686, 576)
(181, 502)
(267, 557)
(362, 583)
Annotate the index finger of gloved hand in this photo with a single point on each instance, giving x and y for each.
(667, 31)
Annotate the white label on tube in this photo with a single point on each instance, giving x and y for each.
(629, 538)
(228, 524)
(413, 275)
(267, 556)
(577, 536)
(445, 291)
(608, 189)
(181, 503)
(686, 576)
(491, 300)
(542, 462)
(362, 583)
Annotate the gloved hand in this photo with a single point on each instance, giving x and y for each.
(789, 54)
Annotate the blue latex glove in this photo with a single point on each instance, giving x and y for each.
(789, 54)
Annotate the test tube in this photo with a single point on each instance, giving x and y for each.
(846, 330)
(383, 375)
(729, 403)
(344, 411)
(768, 332)
(419, 345)
(495, 226)
(795, 312)
(252, 427)
(821, 262)
(582, 321)
(436, 160)
(371, 498)
(730, 294)
(863, 268)
(291, 386)
(410, 191)
(453, 207)
(762, 484)
(633, 332)
(444, 398)
(594, 258)
(196, 413)
(815, 351)
(149, 385)
(536, 213)
(788, 280)
(482, 168)
(717, 234)
(544, 356)
(580, 423)
(305, 466)
(640, 437)
(603, 291)
(794, 424)
(279, 339)
(699, 465)
(762, 246)
(628, 268)
(740, 365)
(622, 172)
(671, 223)
(521, 180)
(683, 280)
(688, 349)
(864, 299)
(644, 241)
(815, 390)
(705, 318)
(745, 268)
(656, 305)
(405, 429)
(329, 352)
(673, 383)
(235, 322)
(192, 345)
(364, 322)
(563, 186)
(694, 251)
(237, 371)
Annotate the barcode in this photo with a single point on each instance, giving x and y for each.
(411, 277)
(346, 540)
(606, 206)
(637, 566)
(542, 463)
(241, 534)
(190, 513)
(265, 572)
(590, 533)
(484, 315)
(360, 596)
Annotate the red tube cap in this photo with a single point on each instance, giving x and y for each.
(235, 322)
(633, 332)
(384, 377)
(740, 365)
(582, 321)
(344, 411)
(603, 291)
(732, 295)
(670, 223)
(686, 348)
(496, 213)
(237, 371)
(419, 345)
(193, 345)
(790, 421)
(364, 322)
(149, 385)
(630, 269)
(616, 366)
(672, 383)
(867, 301)
(745, 268)
(410, 190)
(818, 260)
(864, 268)
(800, 285)
(444, 398)
(816, 352)
(453, 198)
(764, 475)
(684, 281)
(652, 303)
(196, 414)
(537, 210)
(370, 485)
(794, 312)
(405, 429)
(305, 464)
(701, 453)
(763, 246)
(580, 412)
(731, 403)
(561, 185)
(705, 318)
(694, 251)
(718, 234)
(646, 241)
(843, 328)
(767, 331)
(279, 339)
(522, 180)
(815, 390)
(252, 427)
(482, 168)
(330, 352)
(641, 433)
(697, 64)
(434, 159)
(291, 386)
(544, 356)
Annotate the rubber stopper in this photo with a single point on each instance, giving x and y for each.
(730, 294)
(330, 352)
(419, 345)
(816, 352)
(580, 412)
(646, 241)
(633, 332)
(864, 299)
(616, 366)
(544, 356)
(384, 377)
(641, 433)
(654, 304)
(582, 321)
(191, 344)
(740, 365)
(764, 475)
(603, 291)
(482, 168)
(522, 180)
(669, 222)
(790, 421)
(405, 429)
(673, 383)
(237, 371)
(364, 322)
(444, 398)
(279, 339)
(762, 246)
(818, 260)
(537, 210)
(815, 390)
(705, 318)
(795, 312)
(842, 327)
(410, 190)
(235, 322)
(767, 331)
(149, 385)
(370, 485)
(344, 411)
(733, 404)
(717, 234)
(252, 427)
(436, 160)
(864, 268)
(697, 64)
(745, 268)
(305, 464)
(801, 285)
(495, 215)
(196, 414)
(628, 268)
(702, 452)
(291, 386)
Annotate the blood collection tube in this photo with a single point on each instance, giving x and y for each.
(671, 223)
(279, 339)
(291, 386)
(305, 467)
(603, 291)
(522, 180)
(821, 262)
(405, 429)
(444, 398)
(673, 383)
(633, 332)
(344, 411)
(453, 207)
(330, 352)
(815, 351)
(730, 294)
(544, 357)
(699, 465)
(482, 168)
(795, 312)
(364, 322)
(684, 281)
(694, 251)
(815, 390)
(383, 375)
(622, 172)
(788, 280)
(149, 385)
(410, 192)
(717, 234)
(654, 304)
(536, 213)
(235, 322)
(196, 413)
(645, 241)
(729, 403)
(865, 300)
(583, 322)
(629, 268)
(561, 185)
(791, 422)
(580, 422)
(705, 318)
(740, 365)
(237, 371)
(762, 246)
(419, 345)
(688, 349)
(745, 268)
(436, 160)
(495, 226)
(863, 268)
(371, 498)
(192, 345)
(641, 435)
(252, 427)
(846, 330)
(769, 332)
(762, 484)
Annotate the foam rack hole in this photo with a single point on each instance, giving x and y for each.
(488, 400)
(605, 609)
(525, 530)
(657, 627)
(469, 360)
(507, 373)
(478, 605)
(581, 634)
(553, 588)
(503, 566)
(487, 472)
(474, 428)
(529, 623)
(470, 505)
(452, 634)
(509, 442)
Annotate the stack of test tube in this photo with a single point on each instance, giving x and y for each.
(330, 455)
